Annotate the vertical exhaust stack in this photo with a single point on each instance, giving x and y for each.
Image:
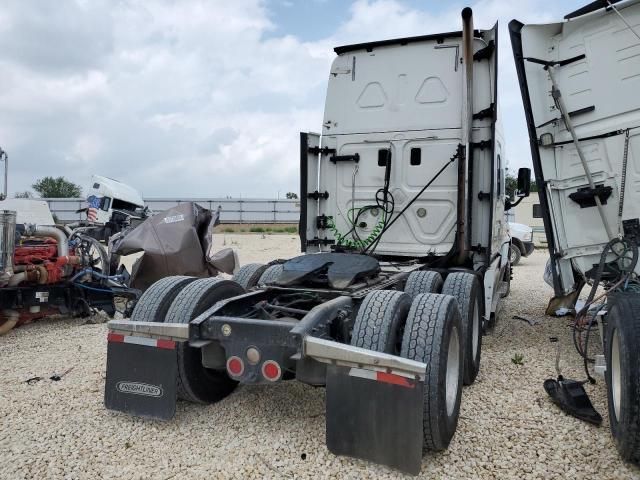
(4, 158)
(7, 244)
(467, 128)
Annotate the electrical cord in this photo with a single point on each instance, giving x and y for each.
(623, 266)
(628, 245)
(417, 195)
(385, 202)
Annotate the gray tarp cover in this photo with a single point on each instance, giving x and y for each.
(175, 242)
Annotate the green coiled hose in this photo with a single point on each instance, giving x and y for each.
(344, 240)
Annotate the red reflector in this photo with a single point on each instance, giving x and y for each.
(168, 344)
(394, 379)
(235, 366)
(115, 337)
(271, 370)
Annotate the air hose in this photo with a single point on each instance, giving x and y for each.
(344, 240)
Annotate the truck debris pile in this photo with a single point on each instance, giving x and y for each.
(47, 269)
(176, 241)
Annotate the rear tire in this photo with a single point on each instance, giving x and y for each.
(195, 382)
(271, 274)
(248, 275)
(623, 374)
(380, 321)
(423, 281)
(432, 335)
(465, 287)
(514, 254)
(154, 303)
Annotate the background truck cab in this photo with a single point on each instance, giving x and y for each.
(579, 81)
(114, 205)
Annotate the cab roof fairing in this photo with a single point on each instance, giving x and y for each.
(116, 189)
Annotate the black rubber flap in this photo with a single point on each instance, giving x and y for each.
(374, 420)
(340, 269)
(571, 397)
(141, 380)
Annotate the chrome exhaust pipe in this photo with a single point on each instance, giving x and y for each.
(7, 244)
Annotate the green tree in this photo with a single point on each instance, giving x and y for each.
(49, 187)
(292, 196)
(510, 185)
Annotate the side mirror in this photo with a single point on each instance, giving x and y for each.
(524, 182)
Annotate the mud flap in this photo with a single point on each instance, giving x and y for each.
(375, 416)
(141, 376)
(571, 397)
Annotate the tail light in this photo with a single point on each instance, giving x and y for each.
(271, 370)
(235, 366)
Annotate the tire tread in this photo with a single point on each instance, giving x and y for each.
(423, 281)
(460, 285)
(422, 341)
(157, 299)
(271, 274)
(373, 322)
(183, 310)
(248, 275)
(628, 443)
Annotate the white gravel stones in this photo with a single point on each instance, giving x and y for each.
(508, 427)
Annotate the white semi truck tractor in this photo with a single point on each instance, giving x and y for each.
(405, 261)
(579, 80)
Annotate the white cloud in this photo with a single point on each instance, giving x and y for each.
(87, 147)
(191, 98)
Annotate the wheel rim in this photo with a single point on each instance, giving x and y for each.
(453, 371)
(512, 255)
(475, 340)
(616, 374)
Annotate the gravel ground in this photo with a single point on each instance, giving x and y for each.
(508, 427)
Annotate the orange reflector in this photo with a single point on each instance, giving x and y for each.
(115, 337)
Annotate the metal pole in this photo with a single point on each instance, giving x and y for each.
(5, 159)
(557, 95)
(467, 126)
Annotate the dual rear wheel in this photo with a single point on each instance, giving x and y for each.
(442, 330)
(427, 329)
(465, 288)
(180, 300)
(256, 274)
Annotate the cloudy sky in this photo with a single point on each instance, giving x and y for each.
(202, 98)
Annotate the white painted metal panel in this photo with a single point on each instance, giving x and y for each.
(608, 80)
(401, 97)
(29, 211)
